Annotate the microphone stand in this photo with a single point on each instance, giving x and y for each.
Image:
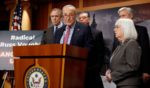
(5, 76)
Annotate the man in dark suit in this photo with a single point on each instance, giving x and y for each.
(48, 37)
(73, 33)
(143, 41)
(93, 79)
(56, 20)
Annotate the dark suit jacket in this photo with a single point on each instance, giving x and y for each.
(125, 63)
(48, 36)
(95, 62)
(52, 29)
(98, 51)
(143, 41)
(81, 37)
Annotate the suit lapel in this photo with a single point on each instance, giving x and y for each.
(115, 53)
(51, 29)
(120, 48)
(75, 34)
(59, 34)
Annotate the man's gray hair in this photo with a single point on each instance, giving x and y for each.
(127, 9)
(70, 7)
(128, 28)
(58, 10)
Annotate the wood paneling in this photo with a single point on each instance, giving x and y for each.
(4, 16)
(40, 17)
(60, 4)
(88, 3)
(40, 11)
(114, 5)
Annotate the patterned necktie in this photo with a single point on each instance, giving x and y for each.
(66, 37)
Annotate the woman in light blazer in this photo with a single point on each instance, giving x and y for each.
(125, 60)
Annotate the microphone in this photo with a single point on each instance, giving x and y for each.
(37, 36)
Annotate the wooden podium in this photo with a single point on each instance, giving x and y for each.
(63, 66)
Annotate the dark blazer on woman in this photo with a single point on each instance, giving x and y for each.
(125, 63)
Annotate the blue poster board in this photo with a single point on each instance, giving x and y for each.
(8, 39)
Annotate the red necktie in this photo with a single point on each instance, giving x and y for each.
(67, 35)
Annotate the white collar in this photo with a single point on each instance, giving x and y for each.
(59, 26)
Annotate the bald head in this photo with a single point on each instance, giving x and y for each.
(84, 18)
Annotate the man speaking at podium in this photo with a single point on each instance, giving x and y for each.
(74, 33)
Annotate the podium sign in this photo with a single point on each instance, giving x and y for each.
(50, 66)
